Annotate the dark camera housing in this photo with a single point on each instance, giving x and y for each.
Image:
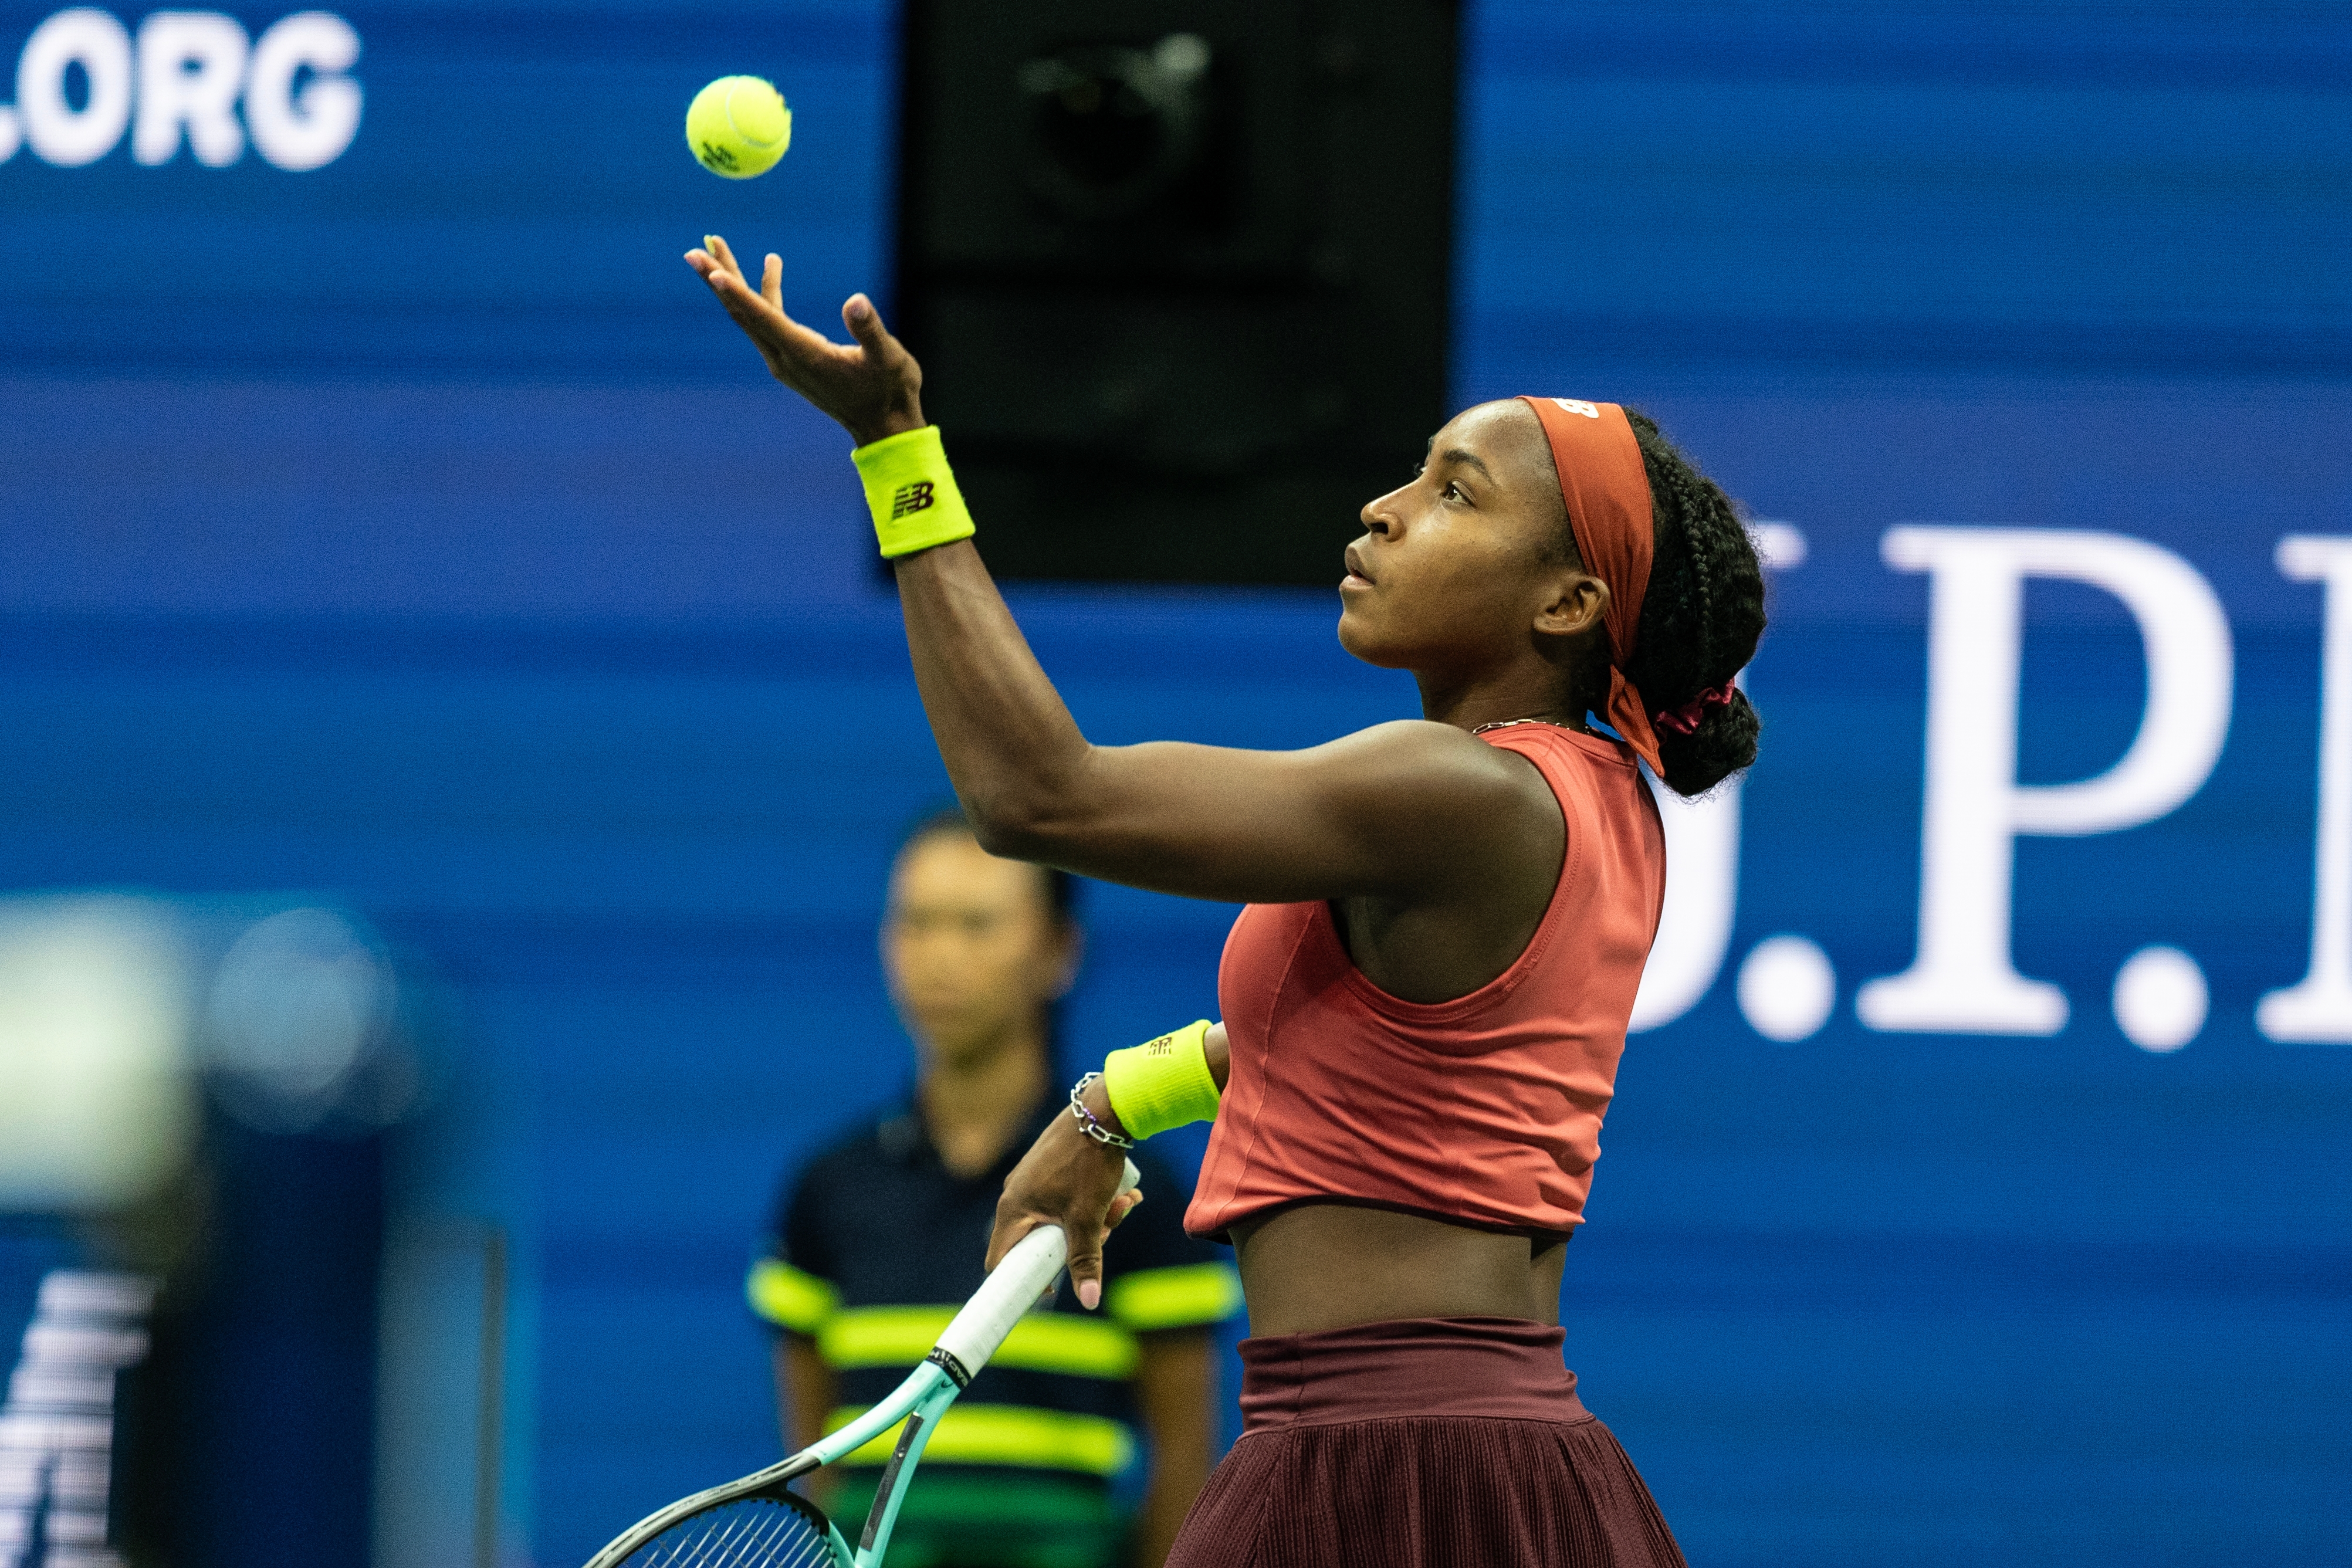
(1178, 273)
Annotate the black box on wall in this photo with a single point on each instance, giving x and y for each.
(1177, 272)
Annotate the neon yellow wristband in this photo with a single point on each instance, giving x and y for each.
(911, 492)
(1163, 1082)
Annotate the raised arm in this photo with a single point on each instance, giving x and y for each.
(1411, 810)
(1401, 810)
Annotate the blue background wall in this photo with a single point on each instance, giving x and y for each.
(413, 529)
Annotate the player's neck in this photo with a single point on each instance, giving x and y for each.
(977, 1104)
(1533, 689)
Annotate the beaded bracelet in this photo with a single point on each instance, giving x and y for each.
(1086, 1118)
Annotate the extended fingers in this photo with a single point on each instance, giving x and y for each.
(717, 247)
(747, 307)
(762, 314)
(864, 324)
(707, 267)
(713, 260)
(729, 283)
(717, 268)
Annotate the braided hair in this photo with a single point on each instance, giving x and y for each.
(1701, 617)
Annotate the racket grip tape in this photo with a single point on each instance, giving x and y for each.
(1028, 1271)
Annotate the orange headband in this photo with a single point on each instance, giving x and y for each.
(1608, 495)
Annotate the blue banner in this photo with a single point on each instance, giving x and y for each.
(388, 511)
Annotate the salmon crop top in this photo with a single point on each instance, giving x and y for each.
(1484, 1110)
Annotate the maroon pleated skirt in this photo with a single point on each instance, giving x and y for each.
(1430, 1443)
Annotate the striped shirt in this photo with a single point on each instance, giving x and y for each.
(876, 1244)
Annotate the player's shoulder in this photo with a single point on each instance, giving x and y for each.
(1405, 749)
(1412, 737)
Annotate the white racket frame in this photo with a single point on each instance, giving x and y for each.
(1009, 1293)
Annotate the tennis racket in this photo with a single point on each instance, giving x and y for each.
(757, 1522)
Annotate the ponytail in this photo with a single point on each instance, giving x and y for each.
(1701, 618)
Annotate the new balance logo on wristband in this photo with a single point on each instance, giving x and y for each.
(912, 497)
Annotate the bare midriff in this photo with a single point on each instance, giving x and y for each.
(1331, 1266)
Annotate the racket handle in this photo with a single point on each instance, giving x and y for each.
(1028, 1272)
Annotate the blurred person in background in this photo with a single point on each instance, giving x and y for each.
(879, 1239)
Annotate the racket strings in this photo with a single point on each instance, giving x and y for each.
(752, 1533)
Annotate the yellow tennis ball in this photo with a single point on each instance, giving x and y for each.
(739, 127)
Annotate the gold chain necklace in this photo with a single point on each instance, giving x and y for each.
(1507, 722)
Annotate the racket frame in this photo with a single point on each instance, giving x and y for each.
(1010, 1290)
(920, 1392)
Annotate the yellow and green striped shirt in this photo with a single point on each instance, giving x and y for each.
(876, 1244)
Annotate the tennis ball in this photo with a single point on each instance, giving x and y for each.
(739, 127)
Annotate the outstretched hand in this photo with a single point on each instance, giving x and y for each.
(1066, 1179)
(872, 387)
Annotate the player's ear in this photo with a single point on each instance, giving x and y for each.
(1574, 603)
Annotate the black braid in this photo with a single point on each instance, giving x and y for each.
(1705, 588)
(1701, 616)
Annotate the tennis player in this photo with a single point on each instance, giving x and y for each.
(1426, 1000)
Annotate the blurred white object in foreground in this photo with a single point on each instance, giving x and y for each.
(95, 1102)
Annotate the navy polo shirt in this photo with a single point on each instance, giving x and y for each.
(876, 1244)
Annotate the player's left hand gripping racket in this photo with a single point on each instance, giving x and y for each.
(756, 1523)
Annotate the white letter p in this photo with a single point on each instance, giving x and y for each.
(1962, 980)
